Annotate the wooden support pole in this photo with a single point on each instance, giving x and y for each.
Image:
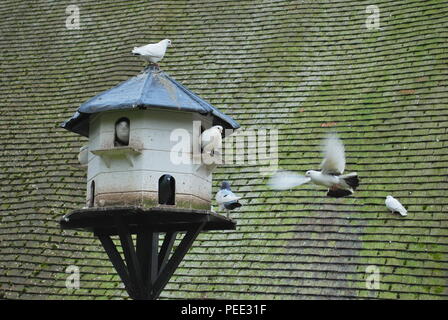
(117, 262)
(147, 249)
(151, 267)
(166, 273)
(143, 239)
(130, 256)
(165, 250)
(143, 268)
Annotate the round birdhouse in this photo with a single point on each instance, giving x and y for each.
(143, 134)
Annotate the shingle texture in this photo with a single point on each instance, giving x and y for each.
(302, 67)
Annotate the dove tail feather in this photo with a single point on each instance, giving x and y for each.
(402, 211)
(232, 205)
(339, 193)
(351, 180)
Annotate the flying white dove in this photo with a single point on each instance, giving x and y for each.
(395, 206)
(226, 198)
(211, 140)
(330, 176)
(153, 52)
(285, 180)
(122, 132)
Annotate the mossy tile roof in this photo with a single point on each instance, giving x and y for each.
(303, 68)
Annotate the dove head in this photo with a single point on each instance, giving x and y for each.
(122, 130)
(308, 173)
(122, 126)
(389, 197)
(220, 128)
(167, 42)
(225, 185)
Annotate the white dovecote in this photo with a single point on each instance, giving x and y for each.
(137, 169)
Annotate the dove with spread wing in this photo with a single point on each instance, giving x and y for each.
(330, 176)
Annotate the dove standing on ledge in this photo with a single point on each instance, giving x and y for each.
(331, 175)
(395, 206)
(211, 140)
(153, 52)
(226, 198)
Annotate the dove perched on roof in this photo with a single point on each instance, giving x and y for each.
(226, 198)
(211, 140)
(395, 206)
(153, 52)
(122, 131)
(330, 176)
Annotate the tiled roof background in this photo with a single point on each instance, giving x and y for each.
(298, 66)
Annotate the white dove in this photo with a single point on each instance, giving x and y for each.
(211, 140)
(153, 52)
(395, 206)
(330, 176)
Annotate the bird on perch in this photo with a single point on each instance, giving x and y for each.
(153, 52)
(330, 176)
(211, 140)
(226, 198)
